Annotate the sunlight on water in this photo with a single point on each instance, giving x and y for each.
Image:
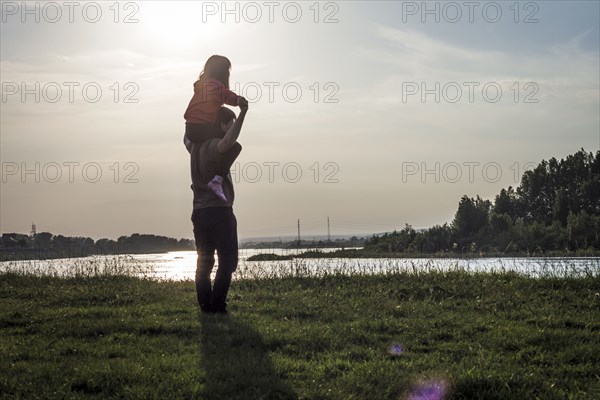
(178, 265)
(181, 265)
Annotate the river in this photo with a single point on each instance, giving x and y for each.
(181, 265)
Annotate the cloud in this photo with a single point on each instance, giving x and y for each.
(417, 55)
(543, 96)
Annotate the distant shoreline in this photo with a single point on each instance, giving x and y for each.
(370, 254)
(267, 255)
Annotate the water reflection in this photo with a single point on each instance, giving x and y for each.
(181, 265)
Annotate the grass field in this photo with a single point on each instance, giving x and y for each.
(397, 336)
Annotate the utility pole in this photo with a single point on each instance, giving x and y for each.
(298, 233)
(33, 235)
(328, 231)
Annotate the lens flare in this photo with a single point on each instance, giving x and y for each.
(396, 349)
(430, 390)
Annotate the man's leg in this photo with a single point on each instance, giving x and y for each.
(227, 249)
(205, 247)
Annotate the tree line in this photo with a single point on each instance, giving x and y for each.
(353, 241)
(46, 245)
(555, 209)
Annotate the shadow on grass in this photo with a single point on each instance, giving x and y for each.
(236, 364)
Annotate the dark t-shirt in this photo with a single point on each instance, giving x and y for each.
(203, 162)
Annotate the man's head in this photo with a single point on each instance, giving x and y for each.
(225, 118)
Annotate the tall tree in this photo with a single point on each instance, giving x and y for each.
(470, 219)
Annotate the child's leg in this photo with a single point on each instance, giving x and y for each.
(200, 133)
(216, 186)
(224, 162)
(228, 158)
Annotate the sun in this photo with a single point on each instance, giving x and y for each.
(176, 24)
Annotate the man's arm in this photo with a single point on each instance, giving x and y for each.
(233, 133)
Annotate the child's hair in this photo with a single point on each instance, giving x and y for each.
(216, 67)
(224, 115)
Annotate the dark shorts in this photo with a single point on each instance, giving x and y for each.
(215, 229)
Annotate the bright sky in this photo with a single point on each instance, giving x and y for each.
(374, 114)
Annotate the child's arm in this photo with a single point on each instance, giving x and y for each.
(228, 97)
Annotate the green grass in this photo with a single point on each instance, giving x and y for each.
(487, 336)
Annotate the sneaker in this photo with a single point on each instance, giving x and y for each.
(216, 186)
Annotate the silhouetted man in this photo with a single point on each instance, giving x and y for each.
(215, 225)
